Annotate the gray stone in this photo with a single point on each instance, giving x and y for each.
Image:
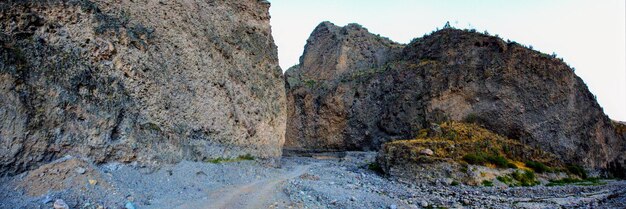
(60, 204)
(151, 88)
(80, 170)
(428, 152)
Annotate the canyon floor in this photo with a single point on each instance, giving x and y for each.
(324, 180)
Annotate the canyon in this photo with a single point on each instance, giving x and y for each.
(182, 104)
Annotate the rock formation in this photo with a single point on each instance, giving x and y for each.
(137, 81)
(354, 91)
(320, 99)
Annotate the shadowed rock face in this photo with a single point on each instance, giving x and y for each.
(320, 97)
(137, 81)
(448, 75)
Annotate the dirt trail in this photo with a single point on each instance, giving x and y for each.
(258, 194)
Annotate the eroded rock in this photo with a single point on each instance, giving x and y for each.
(355, 91)
(137, 81)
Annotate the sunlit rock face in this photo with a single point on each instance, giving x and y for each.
(156, 81)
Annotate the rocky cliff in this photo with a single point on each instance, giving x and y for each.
(320, 98)
(381, 91)
(137, 81)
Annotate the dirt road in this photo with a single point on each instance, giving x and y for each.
(258, 194)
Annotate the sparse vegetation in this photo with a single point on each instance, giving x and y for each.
(517, 178)
(577, 170)
(464, 142)
(505, 179)
(228, 160)
(375, 167)
(527, 178)
(481, 158)
(309, 83)
(578, 182)
(471, 118)
(538, 167)
(487, 183)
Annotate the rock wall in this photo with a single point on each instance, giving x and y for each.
(319, 101)
(448, 75)
(137, 81)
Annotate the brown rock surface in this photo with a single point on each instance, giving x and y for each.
(318, 103)
(62, 174)
(137, 80)
(448, 75)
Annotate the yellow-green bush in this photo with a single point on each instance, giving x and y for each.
(467, 142)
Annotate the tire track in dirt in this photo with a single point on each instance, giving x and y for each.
(258, 194)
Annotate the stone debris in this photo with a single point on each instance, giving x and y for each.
(428, 152)
(60, 204)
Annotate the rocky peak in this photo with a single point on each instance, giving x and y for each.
(341, 49)
(371, 91)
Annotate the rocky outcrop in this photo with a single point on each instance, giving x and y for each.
(137, 81)
(319, 99)
(461, 152)
(448, 75)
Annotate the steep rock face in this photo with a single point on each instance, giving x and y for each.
(452, 75)
(318, 102)
(137, 81)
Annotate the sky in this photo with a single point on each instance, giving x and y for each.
(589, 35)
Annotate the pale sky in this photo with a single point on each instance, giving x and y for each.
(589, 35)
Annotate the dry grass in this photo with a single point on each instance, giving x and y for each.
(457, 140)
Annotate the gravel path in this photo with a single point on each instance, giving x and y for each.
(258, 194)
(333, 180)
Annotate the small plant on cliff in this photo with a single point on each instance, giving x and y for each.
(487, 183)
(471, 118)
(309, 83)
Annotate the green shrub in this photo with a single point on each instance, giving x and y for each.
(475, 159)
(538, 167)
(505, 179)
(227, 160)
(454, 183)
(471, 118)
(217, 160)
(577, 170)
(245, 157)
(487, 183)
(525, 179)
(375, 167)
(578, 182)
(511, 165)
(499, 161)
(310, 83)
